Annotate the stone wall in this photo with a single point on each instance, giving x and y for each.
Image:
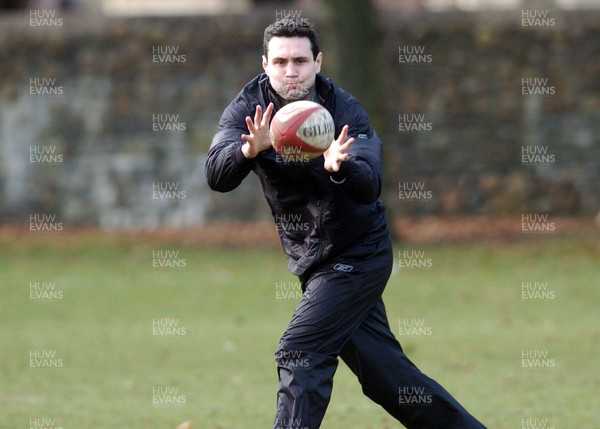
(511, 113)
(107, 121)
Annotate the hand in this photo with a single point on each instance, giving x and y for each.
(336, 153)
(258, 139)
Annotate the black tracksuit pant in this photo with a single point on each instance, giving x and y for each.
(342, 314)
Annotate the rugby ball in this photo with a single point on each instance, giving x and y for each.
(301, 130)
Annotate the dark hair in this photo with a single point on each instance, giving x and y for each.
(292, 26)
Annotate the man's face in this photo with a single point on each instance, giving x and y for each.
(291, 67)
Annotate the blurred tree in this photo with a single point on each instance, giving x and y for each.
(352, 55)
(13, 4)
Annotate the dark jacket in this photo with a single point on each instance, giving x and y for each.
(317, 220)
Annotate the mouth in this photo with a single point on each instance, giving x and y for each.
(292, 90)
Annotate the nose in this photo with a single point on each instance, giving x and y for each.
(290, 70)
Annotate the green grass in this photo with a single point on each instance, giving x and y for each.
(470, 298)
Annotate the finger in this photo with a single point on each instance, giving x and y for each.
(343, 148)
(343, 157)
(343, 134)
(258, 115)
(267, 115)
(329, 165)
(250, 125)
(247, 138)
(347, 145)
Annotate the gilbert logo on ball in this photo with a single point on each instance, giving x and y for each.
(301, 130)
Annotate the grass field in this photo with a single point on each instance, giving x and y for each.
(220, 319)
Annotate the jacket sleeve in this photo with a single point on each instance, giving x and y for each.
(360, 177)
(226, 165)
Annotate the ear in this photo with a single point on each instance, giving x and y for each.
(318, 61)
(265, 63)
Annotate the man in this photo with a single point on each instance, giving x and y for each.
(341, 252)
